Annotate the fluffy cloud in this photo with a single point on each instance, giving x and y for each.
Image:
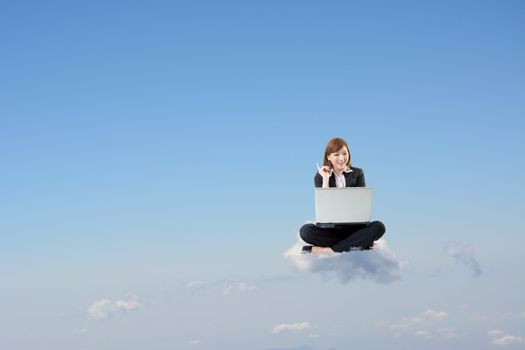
(435, 314)
(500, 338)
(284, 327)
(379, 264)
(464, 254)
(105, 308)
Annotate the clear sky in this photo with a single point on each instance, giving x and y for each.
(157, 160)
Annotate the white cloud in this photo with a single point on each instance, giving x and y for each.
(313, 335)
(194, 342)
(105, 308)
(379, 264)
(464, 254)
(500, 338)
(238, 287)
(284, 327)
(435, 314)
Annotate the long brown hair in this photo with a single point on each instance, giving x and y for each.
(333, 146)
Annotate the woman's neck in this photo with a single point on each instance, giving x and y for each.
(338, 173)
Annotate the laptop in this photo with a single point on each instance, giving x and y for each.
(347, 205)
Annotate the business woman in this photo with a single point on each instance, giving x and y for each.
(337, 171)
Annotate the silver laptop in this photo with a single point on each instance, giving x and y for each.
(347, 205)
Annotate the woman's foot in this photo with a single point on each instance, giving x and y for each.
(322, 250)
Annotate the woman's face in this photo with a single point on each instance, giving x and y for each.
(339, 159)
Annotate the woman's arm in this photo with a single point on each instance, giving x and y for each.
(360, 182)
(322, 181)
(322, 178)
(318, 180)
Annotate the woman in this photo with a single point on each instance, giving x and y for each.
(338, 172)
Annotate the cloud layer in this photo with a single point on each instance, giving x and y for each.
(379, 264)
(464, 254)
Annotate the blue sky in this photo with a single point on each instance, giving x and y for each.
(162, 155)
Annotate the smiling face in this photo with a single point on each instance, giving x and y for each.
(339, 159)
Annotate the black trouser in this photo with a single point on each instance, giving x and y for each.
(343, 237)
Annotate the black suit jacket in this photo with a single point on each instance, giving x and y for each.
(355, 178)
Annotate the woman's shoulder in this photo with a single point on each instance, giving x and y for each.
(356, 170)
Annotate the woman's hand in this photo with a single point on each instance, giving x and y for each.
(325, 172)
